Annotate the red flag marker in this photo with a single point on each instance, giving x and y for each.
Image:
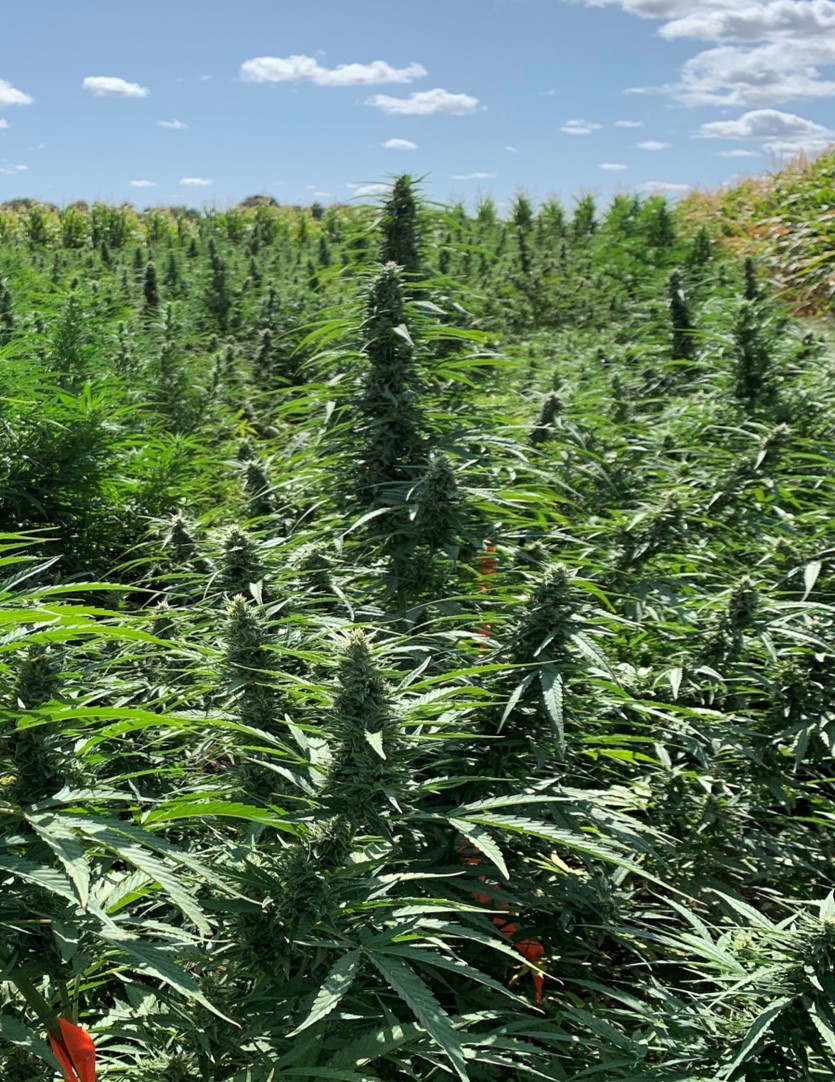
(75, 1051)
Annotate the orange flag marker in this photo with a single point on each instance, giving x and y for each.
(530, 949)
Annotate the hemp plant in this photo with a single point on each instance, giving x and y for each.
(392, 447)
(399, 228)
(682, 341)
(369, 754)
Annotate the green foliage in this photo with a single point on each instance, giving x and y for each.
(781, 219)
(375, 633)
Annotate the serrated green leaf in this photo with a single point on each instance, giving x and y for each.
(592, 651)
(403, 332)
(810, 576)
(50, 879)
(375, 1043)
(420, 1000)
(515, 696)
(153, 842)
(16, 1032)
(203, 810)
(142, 858)
(64, 842)
(376, 741)
(580, 843)
(824, 1022)
(483, 841)
(456, 966)
(756, 1032)
(148, 959)
(334, 987)
(552, 698)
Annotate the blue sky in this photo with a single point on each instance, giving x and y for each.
(187, 102)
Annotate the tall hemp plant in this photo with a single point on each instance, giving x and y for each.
(390, 423)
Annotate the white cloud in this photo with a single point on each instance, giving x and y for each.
(629, 123)
(662, 9)
(790, 148)
(3, 122)
(512, 150)
(368, 189)
(793, 18)
(205, 78)
(174, 125)
(769, 74)
(662, 186)
(471, 176)
(764, 124)
(195, 182)
(142, 183)
(613, 167)
(652, 144)
(547, 93)
(400, 144)
(768, 52)
(579, 127)
(300, 68)
(322, 195)
(739, 153)
(426, 103)
(782, 134)
(10, 95)
(759, 16)
(109, 86)
(13, 170)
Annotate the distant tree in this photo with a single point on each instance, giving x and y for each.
(258, 201)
